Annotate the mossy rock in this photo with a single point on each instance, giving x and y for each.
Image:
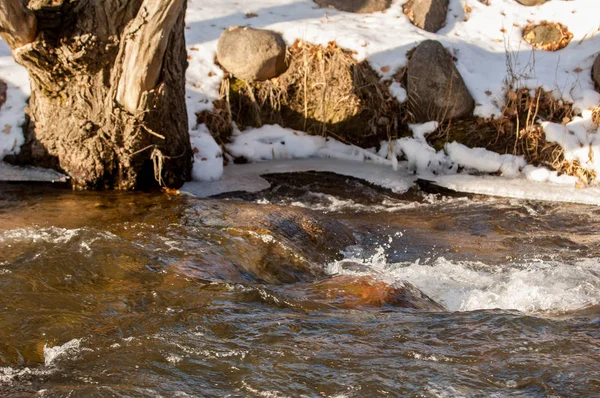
(549, 36)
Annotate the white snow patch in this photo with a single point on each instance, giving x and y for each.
(420, 130)
(480, 159)
(521, 188)
(208, 156)
(398, 92)
(272, 142)
(12, 113)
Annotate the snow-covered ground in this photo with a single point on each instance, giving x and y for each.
(486, 41)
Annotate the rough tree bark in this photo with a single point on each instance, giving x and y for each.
(107, 88)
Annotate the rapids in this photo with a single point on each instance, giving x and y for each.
(320, 286)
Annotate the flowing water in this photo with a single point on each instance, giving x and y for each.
(321, 287)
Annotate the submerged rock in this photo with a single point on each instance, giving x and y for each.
(348, 291)
(357, 6)
(436, 90)
(596, 71)
(270, 244)
(427, 14)
(252, 54)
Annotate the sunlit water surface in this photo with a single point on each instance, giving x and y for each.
(320, 287)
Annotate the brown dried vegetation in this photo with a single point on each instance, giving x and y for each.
(517, 132)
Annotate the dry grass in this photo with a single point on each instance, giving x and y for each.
(596, 116)
(517, 132)
(325, 91)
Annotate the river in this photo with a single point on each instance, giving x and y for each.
(321, 286)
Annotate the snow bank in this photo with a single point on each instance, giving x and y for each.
(208, 157)
(483, 40)
(480, 159)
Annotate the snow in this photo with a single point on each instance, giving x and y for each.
(481, 159)
(486, 42)
(208, 157)
(489, 50)
(272, 142)
(580, 139)
(12, 114)
(519, 188)
(420, 130)
(398, 92)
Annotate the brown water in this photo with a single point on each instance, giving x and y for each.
(298, 291)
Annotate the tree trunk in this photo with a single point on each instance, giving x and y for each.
(107, 89)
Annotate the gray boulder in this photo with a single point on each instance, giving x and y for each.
(427, 14)
(596, 71)
(531, 3)
(251, 54)
(436, 91)
(357, 6)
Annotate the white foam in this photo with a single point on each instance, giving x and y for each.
(530, 287)
(69, 349)
(8, 374)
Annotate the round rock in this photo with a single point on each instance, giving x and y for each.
(531, 3)
(251, 54)
(356, 6)
(436, 90)
(429, 15)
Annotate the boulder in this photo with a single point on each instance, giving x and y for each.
(427, 14)
(251, 54)
(350, 291)
(531, 3)
(357, 6)
(596, 71)
(436, 91)
(547, 36)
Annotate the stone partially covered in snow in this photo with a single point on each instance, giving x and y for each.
(531, 3)
(251, 54)
(435, 88)
(427, 14)
(357, 6)
(596, 71)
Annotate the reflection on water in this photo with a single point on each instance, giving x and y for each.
(320, 286)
